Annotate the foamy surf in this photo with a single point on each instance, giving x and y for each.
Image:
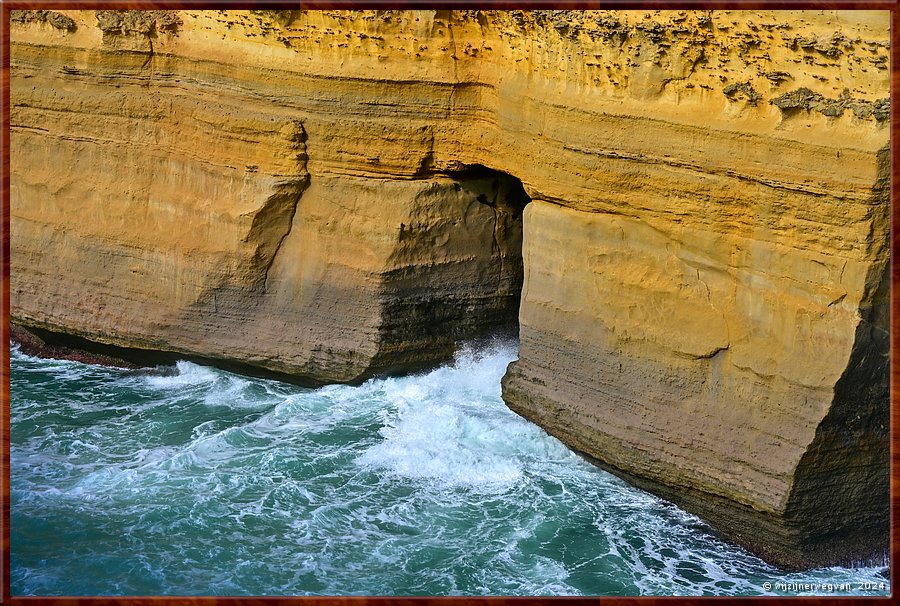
(439, 428)
(200, 481)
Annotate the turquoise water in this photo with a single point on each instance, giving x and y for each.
(194, 481)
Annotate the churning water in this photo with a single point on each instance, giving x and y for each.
(198, 481)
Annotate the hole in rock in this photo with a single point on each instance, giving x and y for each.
(462, 273)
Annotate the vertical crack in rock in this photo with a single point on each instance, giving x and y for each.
(290, 223)
(497, 246)
(278, 208)
(492, 204)
(149, 57)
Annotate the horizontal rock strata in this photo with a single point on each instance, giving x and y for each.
(334, 195)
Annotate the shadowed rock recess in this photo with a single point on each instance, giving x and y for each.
(685, 215)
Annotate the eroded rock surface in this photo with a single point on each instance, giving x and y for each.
(338, 194)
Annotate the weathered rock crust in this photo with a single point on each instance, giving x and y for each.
(705, 256)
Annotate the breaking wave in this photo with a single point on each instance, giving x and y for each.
(191, 480)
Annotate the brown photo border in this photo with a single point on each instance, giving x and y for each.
(7, 5)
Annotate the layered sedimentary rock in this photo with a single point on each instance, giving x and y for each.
(167, 212)
(335, 195)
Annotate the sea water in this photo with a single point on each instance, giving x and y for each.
(194, 481)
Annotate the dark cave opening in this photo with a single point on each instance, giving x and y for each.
(469, 290)
(505, 195)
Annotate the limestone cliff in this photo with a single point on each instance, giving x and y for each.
(338, 194)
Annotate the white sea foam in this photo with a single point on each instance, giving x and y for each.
(187, 374)
(439, 427)
(61, 370)
(212, 386)
(420, 484)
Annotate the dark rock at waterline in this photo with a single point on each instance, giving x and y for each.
(33, 345)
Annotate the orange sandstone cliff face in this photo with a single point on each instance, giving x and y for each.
(698, 202)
